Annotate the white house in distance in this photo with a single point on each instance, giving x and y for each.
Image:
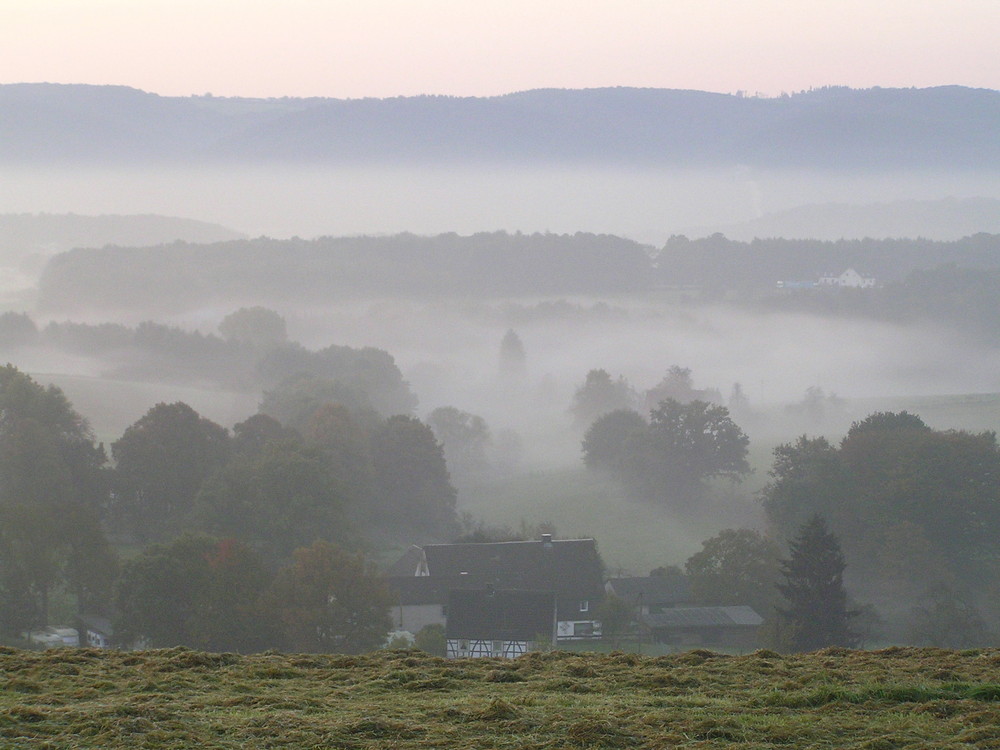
(849, 278)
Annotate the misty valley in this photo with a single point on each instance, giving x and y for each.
(520, 385)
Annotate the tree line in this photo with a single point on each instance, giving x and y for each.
(221, 512)
(915, 512)
(251, 352)
(190, 276)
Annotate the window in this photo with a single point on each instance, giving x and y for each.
(585, 605)
(583, 629)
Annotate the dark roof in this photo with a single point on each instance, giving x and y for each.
(570, 567)
(407, 564)
(96, 623)
(702, 617)
(500, 615)
(652, 590)
(430, 589)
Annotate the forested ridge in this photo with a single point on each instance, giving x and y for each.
(829, 127)
(954, 282)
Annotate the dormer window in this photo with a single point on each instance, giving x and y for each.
(585, 605)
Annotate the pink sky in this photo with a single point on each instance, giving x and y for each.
(356, 48)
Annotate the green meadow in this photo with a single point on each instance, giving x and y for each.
(836, 698)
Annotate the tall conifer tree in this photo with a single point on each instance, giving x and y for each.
(817, 614)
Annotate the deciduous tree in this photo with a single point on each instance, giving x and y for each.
(198, 592)
(689, 443)
(465, 438)
(736, 566)
(599, 395)
(331, 600)
(161, 462)
(280, 499)
(412, 484)
(257, 326)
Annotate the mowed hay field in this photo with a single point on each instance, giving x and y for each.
(895, 698)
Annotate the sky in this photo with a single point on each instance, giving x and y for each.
(382, 48)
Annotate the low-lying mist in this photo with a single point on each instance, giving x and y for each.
(645, 204)
(449, 352)
(800, 374)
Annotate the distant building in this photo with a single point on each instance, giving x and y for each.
(96, 631)
(54, 637)
(796, 285)
(850, 279)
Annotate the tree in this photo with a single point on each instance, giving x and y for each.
(430, 638)
(814, 404)
(198, 592)
(944, 619)
(295, 400)
(17, 329)
(47, 450)
(816, 614)
(412, 485)
(161, 462)
(679, 385)
(331, 600)
(53, 491)
(736, 566)
(365, 378)
(257, 326)
(465, 438)
(689, 443)
(252, 434)
(280, 499)
(609, 441)
(599, 395)
(807, 478)
(513, 362)
(617, 617)
(913, 505)
(738, 402)
(344, 442)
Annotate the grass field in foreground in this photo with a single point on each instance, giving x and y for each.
(896, 698)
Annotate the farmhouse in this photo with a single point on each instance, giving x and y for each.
(96, 629)
(488, 622)
(849, 278)
(570, 570)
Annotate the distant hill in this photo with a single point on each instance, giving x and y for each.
(944, 219)
(53, 233)
(27, 241)
(875, 128)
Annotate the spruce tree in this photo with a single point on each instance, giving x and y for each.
(817, 614)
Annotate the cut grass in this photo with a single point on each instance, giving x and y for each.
(176, 698)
